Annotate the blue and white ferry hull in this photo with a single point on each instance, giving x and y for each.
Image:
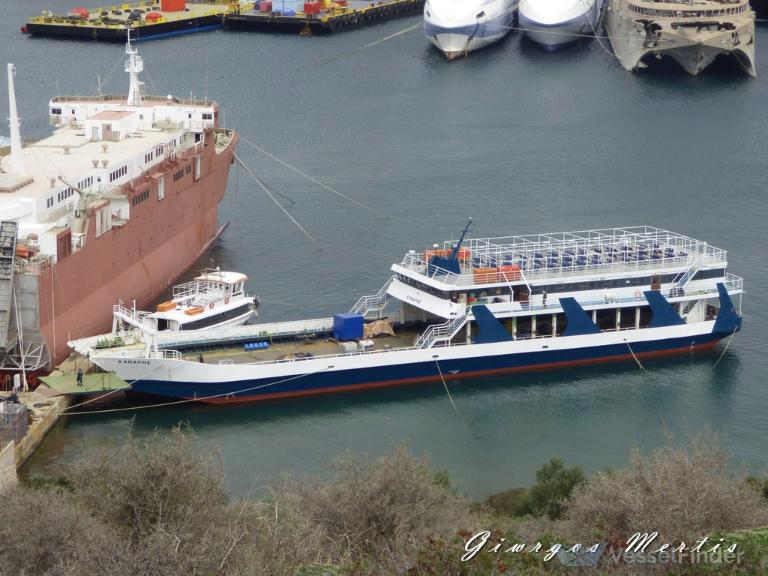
(184, 379)
(487, 306)
(457, 28)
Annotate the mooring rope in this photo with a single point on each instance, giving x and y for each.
(128, 382)
(307, 176)
(597, 37)
(727, 344)
(360, 48)
(448, 392)
(272, 197)
(636, 358)
(93, 399)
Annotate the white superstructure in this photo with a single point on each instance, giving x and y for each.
(100, 143)
(215, 299)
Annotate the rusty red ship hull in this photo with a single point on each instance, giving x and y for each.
(140, 259)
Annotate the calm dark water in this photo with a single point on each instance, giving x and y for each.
(521, 140)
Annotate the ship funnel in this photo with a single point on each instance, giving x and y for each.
(17, 163)
(133, 66)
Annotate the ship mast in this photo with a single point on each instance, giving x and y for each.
(17, 164)
(133, 66)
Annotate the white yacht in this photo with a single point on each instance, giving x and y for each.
(458, 27)
(554, 23)
(215, 299)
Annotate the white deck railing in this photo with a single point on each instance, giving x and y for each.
(571, 254)
(414, 263)
(374, 302)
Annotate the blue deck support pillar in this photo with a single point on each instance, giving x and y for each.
(490, 329)
(663, 313)
(579, 322)
(727, 319)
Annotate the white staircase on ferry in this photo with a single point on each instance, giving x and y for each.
(682, 279)
(373, 306)
(444, 332)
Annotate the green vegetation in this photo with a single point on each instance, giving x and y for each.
(160, 508)
(548, 497)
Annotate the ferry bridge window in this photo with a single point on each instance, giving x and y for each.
(56, 111)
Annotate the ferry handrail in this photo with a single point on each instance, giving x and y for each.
(121, 98)
(247, 331)
(137, 318)
(412, 263)
(364, 303)
(444, 331)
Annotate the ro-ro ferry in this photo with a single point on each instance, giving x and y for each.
(117, 203)
(476, 307)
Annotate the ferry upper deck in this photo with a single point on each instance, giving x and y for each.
(551, 258)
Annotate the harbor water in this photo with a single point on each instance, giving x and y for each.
(520, 139)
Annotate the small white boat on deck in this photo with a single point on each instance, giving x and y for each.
(215, 299)
(458, 27)
(555, 23)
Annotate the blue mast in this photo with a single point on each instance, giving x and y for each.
(450, 263)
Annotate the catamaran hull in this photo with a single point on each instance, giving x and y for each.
(174, 378)
(635, 39)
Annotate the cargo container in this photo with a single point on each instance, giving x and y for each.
(347, 326)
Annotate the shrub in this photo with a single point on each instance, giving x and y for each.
(165, 498)
(759, 484)
(681, 492)
(380, 510)
(512, 502)
(554, 485)
(43, 534)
